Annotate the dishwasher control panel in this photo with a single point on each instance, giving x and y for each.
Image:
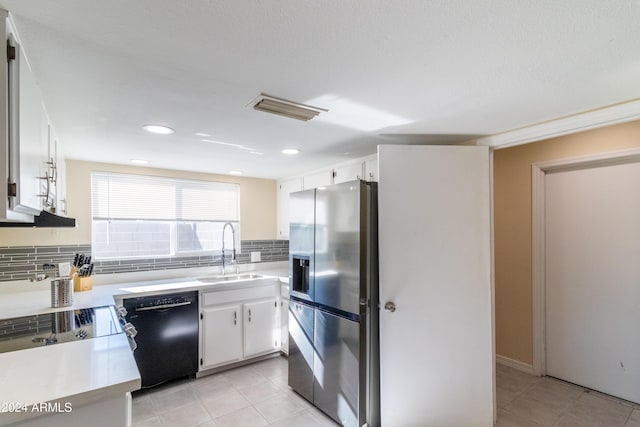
(164, 300)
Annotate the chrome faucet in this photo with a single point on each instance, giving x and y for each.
(233, 238)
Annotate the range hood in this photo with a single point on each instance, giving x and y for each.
(43, 219)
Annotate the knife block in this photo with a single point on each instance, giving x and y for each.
(81, 283)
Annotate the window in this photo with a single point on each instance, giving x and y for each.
(144, 216)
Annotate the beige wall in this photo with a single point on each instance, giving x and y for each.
(512, 205)
(257, 205)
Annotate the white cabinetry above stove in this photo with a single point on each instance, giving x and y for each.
(30, 156)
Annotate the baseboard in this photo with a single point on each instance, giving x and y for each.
(515, 364)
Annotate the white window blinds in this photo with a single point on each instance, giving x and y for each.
(137, 197)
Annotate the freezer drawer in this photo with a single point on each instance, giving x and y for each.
(301, 349)
(336, 386)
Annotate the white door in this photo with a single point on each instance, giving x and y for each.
(592, 284)
(436, 348)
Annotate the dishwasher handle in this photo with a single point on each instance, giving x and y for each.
(163, 306)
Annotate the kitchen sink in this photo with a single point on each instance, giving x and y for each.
(230, 278)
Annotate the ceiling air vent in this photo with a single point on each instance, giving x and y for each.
(282, 107)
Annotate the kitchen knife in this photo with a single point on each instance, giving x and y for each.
(75, 260)
(90, 270)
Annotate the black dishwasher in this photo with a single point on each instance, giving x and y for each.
(167, 335)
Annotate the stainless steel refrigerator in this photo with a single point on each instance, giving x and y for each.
(333, 309)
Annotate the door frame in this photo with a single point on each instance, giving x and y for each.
(538, 174)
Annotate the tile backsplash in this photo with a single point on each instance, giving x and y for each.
(22, 262)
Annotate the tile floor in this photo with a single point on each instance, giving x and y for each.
(257, 395)
(527, 401)
(250, 396)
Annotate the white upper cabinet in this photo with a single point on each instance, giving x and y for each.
(61, 178)
(284, 189)
(365, 168)
(347, 173)
(28, 137)
(371, 169)
(319, 179)
(29, 153)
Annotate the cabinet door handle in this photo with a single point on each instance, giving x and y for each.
(235, 317)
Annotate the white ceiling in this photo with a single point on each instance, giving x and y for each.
(414, 70)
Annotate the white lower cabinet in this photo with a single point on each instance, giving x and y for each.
(284, 325)
(261, 327)
(238, 324)
(222, 332)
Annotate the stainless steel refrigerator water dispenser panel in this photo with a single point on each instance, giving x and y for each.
(300, 274)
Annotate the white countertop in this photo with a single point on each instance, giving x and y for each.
(23, 298)
(77, 372)
(82, 372)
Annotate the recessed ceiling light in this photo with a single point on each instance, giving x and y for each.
(159, 129)
(235, 172)
(290, 151)
(139, 161)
